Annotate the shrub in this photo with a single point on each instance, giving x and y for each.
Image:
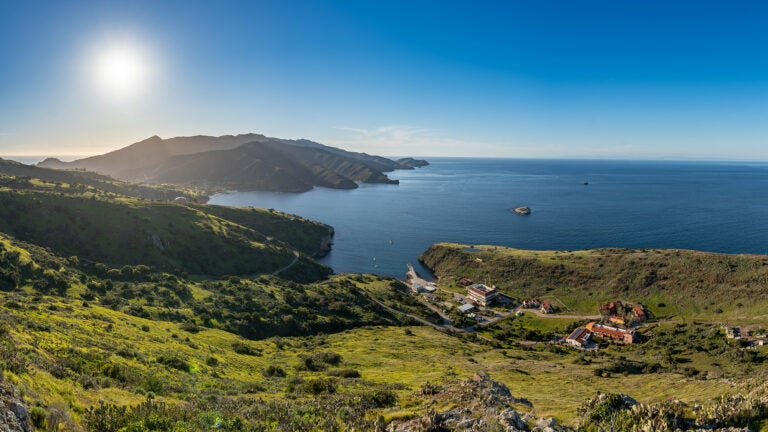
(344, 373)
(174, 362)
(190, 327)
(145, 328)
(310, 364)
(380, 398)
(329, 357)
(318, 361)
(245, 349)
(274, 371)
(114, 371)
(38, 415)
(152, 384)
(212, 361)
(320, 385)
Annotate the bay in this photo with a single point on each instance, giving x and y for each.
(710, 206)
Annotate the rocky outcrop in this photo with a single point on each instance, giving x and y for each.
(412, 163)
(326, 243)
(481, 404)
(14, 415)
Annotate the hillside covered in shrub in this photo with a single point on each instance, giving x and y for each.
(668, 282)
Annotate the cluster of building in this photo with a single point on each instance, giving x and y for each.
(751, 339)
(623, 314)
(543, 306)
(582, 336)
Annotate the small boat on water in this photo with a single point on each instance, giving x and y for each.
(586, 183)
(522, 210)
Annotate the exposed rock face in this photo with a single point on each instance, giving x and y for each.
(481, 404)
(412, 163)
(326, 243)
(14, 415)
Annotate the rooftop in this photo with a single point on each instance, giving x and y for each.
(466, 307)
(483, 289)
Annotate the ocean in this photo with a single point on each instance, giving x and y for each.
(710, 206)
(33, 160)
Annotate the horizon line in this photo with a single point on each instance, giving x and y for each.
(552, 158)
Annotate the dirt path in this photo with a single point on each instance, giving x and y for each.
(295, 260)
(416, 317)
(559, 316)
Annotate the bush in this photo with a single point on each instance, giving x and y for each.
(344, 373)
(319, 361)
(174, 362)
(380, 398)
(245, 349)
(38, 415)
(212, 361)
(153, 384)
(320, 385)
(329, 357)
(145, 328)
(274, 371)
(190, 327)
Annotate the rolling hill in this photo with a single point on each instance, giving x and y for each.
(118, 230)
(78, 179)
(669, 282)
(242, 162)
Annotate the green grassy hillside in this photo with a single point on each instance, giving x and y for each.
(671, 283)
(97, 350)
(14, 174)
(67, 357)
(309, 237)
(118, 230)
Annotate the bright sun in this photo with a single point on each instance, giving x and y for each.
(121, 72)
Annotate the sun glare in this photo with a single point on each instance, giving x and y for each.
(121, 72)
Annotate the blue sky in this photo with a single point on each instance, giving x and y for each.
(667, 80)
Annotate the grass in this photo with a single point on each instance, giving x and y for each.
(388, 357)
(128, 231)
(671, 283)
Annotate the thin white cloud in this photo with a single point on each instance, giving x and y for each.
(400, 140)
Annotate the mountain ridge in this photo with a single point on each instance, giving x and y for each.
(241, 162)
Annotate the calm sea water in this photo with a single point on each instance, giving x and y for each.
(32, 160)
(719, 207)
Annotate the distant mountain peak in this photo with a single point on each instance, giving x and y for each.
(238, 162)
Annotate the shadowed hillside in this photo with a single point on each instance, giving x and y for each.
(242, 162)
(118, 230)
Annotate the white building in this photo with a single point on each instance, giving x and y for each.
(482, 294)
